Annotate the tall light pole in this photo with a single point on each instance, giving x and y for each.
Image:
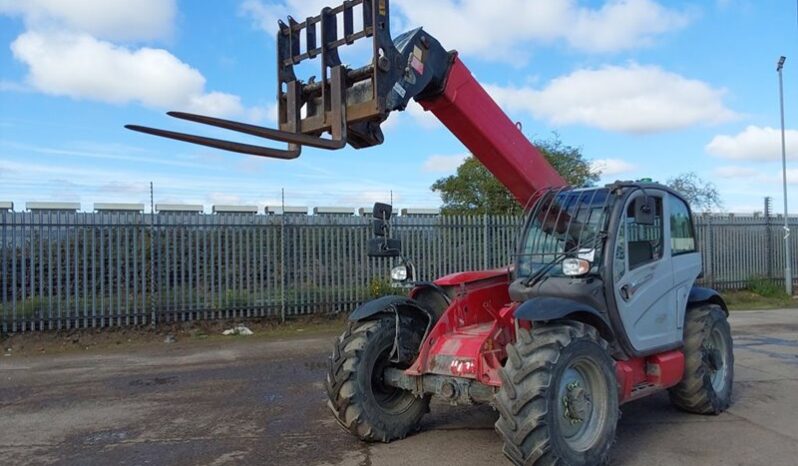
(787, 255)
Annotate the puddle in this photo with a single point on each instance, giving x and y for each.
(104, 438)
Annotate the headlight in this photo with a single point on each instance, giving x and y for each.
(574, 267)
(399, 273)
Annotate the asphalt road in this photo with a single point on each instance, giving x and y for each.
(262, 402)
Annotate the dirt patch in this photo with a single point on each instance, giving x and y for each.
(105, 339)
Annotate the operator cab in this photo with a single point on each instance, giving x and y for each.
(625, 252)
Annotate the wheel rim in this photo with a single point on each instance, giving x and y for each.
(390, 399)
(716, 359)
(583, 405)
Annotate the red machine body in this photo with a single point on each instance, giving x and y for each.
(470, 337)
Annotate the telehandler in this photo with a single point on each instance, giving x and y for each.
(600, 307)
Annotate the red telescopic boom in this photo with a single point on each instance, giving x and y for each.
(466, 109)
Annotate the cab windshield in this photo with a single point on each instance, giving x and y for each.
(563, 223)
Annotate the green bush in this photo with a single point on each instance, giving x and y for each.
(766, 288)
(379, 287)
(234, 299)
(31, 308)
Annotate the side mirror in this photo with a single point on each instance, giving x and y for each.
(384, 247)
(381, 245)
(380, 227)
(644, 210)
(382, 211)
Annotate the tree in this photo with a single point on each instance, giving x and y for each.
(474, 190)
(700, 194)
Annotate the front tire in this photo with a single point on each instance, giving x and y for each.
(706, 387)
(558, 402)
(361, 403)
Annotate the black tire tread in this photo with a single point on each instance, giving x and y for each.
(344, 399)
(525, 381)
(695, 393)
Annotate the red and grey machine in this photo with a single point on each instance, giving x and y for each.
(599, 308)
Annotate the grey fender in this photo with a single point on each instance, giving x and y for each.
(700, 295)
(392, 304)
(544, 309)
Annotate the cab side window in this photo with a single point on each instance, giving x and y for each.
(644, 242)
(682, 233)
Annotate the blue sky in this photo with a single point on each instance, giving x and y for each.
(645, 88)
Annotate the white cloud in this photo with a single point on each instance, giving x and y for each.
(737, 172)
(215, 103)
(792, 176)
(413, 114)
(611, 167)
(443, 163)
(368, 198)
(754, 143)
(632, 99)
(67, 54)
(83, 67)
(266, 112)
(123, 189)
(103, 152)
(623, 24)
(217, 198)
(504, 29)
(422, 117)
(107, 19)
(265, 15)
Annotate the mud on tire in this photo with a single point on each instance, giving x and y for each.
(706, 387)
(532, 400)
(361, 404)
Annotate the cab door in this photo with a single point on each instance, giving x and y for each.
(643, 276)
(685, 258)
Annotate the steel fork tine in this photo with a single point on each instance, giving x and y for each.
(268, 133)
(293, 151)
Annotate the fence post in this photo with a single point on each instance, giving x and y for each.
(282, 258)
(768, 237)
(153, 312)
(487, 241)
(710, 251)
(4, 247)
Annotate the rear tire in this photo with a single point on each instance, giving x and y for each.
(358, 399)
(706, 387)
(558, 403)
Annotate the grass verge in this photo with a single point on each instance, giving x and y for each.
(746, 300)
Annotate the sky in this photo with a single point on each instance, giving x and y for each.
(645, 88)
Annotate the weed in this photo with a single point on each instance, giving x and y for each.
(765, 287)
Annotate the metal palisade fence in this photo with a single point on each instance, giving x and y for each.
(78, 270)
